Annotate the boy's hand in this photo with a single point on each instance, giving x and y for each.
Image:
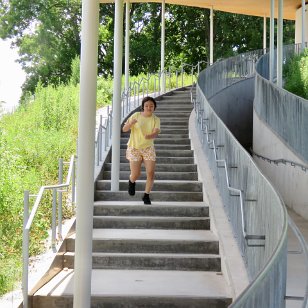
(133, 121)
(153, 135)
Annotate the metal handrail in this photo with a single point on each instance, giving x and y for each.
(280, 161)
(28, 219)
(207, 132)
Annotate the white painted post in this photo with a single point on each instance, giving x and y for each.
(279, 43)
(303, 23)
(116, 103)
(272, 38)
(264, 34)
(85, 162)
(211, 36)
(25, 251)
(162, 50)
(127, 34)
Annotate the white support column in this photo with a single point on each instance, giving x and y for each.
(85, 162)
(162, 50)
(264, 34)
(279, 43)
(116, 103)
(303, 24)
(211, 36)
(127, 34)
(272, 40)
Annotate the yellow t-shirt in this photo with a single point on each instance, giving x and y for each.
(144, 126)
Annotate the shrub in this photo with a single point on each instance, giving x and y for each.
(296, 74)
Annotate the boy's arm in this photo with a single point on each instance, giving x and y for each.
(128, 124)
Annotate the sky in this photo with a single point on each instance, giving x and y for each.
(11, 76)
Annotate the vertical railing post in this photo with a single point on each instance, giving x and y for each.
(182, 72)
(25, 250)
(53, 218)
(97, 148)
(60, 199)
(169, 78)
(101, 137)
(192, 75)
(106, 141)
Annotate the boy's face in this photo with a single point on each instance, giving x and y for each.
(148, 107)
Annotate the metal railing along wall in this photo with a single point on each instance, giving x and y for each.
(284, 112)
(256, 212)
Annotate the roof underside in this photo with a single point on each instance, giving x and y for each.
(247, 7)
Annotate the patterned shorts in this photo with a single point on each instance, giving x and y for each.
(133, 154)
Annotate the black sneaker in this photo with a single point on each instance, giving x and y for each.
(146, 199)
(131, 188)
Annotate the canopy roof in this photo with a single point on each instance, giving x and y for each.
(247, 7)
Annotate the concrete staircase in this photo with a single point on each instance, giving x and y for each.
(159, 255)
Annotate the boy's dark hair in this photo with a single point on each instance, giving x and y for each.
(146, 99)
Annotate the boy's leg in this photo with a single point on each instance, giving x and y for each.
(150, 171)
(135, 170)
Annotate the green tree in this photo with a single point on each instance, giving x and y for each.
(47, 34)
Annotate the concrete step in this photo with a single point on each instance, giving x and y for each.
(159, 175)
(151, 241)
(170, 101)
(165, 160)
(158, 261)
(159, 185)
(178, 99)
(174, 121)
(131, 208)
(168, 153)
(166, 113)
(140, 288)
(172, 130)
(159, 167)
(155, 196)
(173, 127)
(151, 222)
(173, 108)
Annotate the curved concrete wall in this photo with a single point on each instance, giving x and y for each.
(234, 105)
(290, 181)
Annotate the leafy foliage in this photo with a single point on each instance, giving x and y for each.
(47, 34)
(296, 74)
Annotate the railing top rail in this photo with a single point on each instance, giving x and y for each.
(47, 187)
